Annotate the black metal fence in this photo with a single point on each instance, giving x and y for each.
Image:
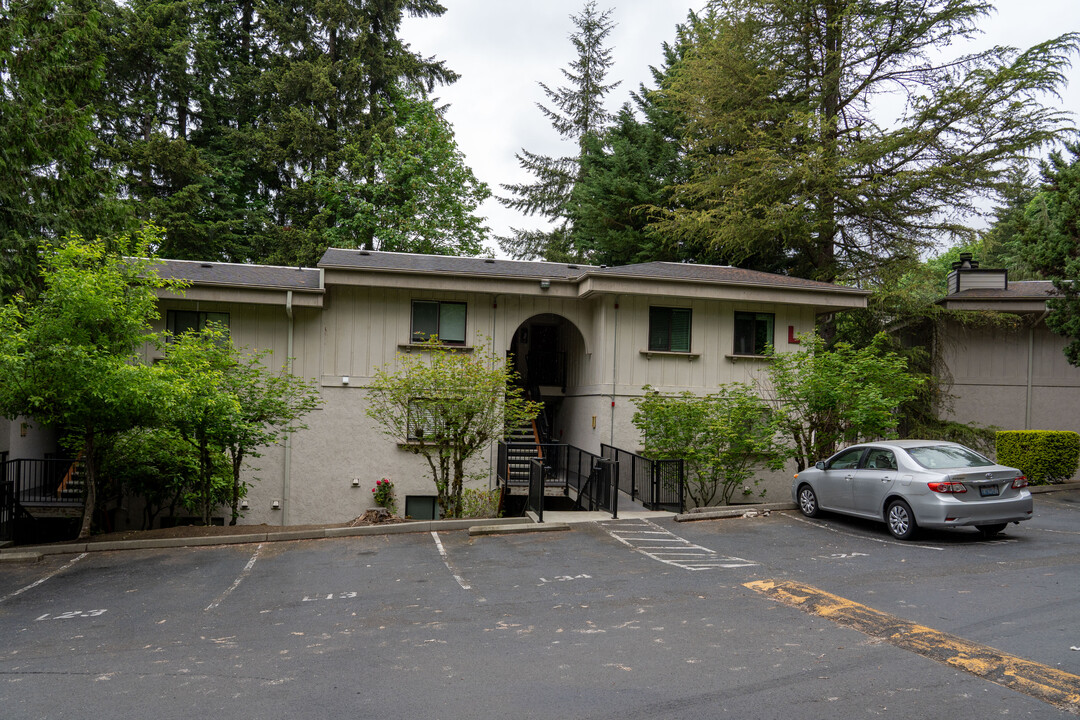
(558, 466)
(27, 486)
(657, 484)
(535, 501)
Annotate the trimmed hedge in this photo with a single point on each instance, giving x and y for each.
(1045, 456)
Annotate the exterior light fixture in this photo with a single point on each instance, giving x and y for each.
(545, 284)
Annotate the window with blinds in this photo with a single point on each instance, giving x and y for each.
(446, 320)
(669, 329)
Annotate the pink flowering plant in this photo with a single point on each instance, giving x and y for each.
(384, 495)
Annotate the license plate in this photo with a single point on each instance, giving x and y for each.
(989, 490)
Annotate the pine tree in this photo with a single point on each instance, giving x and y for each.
(1052, 238)
(578, 115)
(52, 178)
(788, 153)
(225, 119)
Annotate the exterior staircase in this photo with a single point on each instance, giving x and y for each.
(523, 444)
(33, 490)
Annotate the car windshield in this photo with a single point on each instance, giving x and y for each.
(933, 457)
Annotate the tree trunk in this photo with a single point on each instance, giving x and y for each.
(91, 487)
(237, 463)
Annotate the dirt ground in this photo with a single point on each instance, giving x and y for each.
(197, 531)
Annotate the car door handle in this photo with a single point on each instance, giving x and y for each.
(886, 479)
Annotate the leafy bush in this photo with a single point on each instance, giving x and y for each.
(1045, 456)
(722, 438)
(480, 503)
(385, 496)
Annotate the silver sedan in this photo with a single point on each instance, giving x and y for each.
(910, 484)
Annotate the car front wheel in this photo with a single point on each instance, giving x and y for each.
(808, 501)
(901, 520)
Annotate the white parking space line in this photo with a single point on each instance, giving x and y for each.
(642, 536)
(239, 578)
(861, 537)
(34, 584)
(446, 561)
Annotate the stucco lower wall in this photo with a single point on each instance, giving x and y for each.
(343, 443)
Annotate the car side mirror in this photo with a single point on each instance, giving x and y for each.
(820, 464)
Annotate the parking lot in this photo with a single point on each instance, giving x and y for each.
(619, 619)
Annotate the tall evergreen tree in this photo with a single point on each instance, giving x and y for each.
(1052, 237)
(789, 152)
(578, 115)
(226, 119)
(52, 178)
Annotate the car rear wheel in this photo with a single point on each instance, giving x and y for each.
(808, 504)
(901, 520)
(989, 530)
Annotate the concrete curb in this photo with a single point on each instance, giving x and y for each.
(731, 511)
(1040, 489)
(33, 553)
(517, 529)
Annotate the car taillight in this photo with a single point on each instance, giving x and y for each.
(1020, 482)
(948, 487)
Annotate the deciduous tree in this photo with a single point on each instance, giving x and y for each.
(448, 406)
(71, 359)
(824, 398)
(721, 437)
(228, 403)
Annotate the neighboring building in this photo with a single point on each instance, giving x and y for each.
(1009, 371)
(585, 339)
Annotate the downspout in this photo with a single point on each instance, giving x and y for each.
(493, 470)
(1030, 368)
(286, 480)
(614, 368)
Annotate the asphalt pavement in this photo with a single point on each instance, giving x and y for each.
(641, 617)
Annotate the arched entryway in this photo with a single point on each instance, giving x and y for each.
(548, 355)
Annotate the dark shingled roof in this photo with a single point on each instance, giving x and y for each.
(235, 274)
(407, 262)
(719, 274)
(1017, 290)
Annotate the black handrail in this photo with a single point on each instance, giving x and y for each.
(659, 484)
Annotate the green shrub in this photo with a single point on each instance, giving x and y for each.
(480, 503)
(1045, 456)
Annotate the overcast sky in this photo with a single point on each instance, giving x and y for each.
(503, 48)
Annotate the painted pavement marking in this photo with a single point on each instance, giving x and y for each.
(34, 584)
(643, 535)
(239, 578)
(446, 561)
(1045, 683)
(861, 537)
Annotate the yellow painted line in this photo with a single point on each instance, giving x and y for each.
(1039, 681)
